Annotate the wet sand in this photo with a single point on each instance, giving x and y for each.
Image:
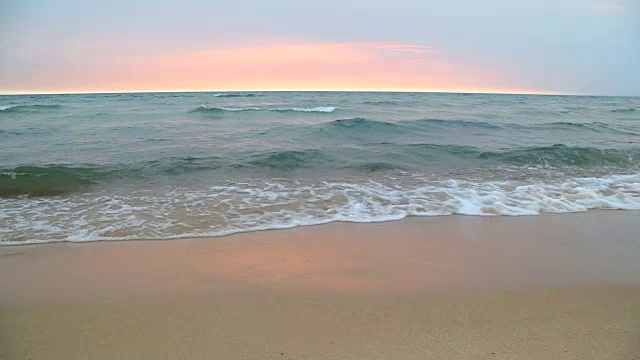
(544, 287)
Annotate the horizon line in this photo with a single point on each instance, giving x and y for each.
(488, 92)
(20, 93)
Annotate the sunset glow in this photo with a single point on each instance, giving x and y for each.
(297, 66)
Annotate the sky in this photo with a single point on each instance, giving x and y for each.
(506, 46)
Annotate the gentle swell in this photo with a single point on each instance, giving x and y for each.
(360, 124)
(382, 103)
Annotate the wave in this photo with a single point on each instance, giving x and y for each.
(44, 181)
(288, 160)
(244, 207)
(624, 110)
(8, 132)
(570, 125)
(560, 155)
(376, 167)
(383, 103)
(215, 109)
(56, 179)
(234, 95)
(360, 124)
(59, 179)
(457, 123)
(363, 123)
(28, 108)
(321, 109)
(592, 126)
(436, 150)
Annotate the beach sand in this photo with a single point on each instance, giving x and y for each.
(543, 287)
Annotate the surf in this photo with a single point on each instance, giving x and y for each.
(217, 109)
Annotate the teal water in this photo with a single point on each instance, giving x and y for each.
(166, 165)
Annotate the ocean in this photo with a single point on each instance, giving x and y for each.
(91, 167)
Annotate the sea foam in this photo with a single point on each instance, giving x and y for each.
(320, 109)
(242, 207)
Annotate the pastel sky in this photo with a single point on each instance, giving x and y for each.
(530, 46)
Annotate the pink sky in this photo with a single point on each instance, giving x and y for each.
(283, 66)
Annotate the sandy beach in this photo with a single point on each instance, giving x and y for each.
(542, 287)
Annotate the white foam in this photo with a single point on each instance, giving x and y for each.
(223, 210)
(5, 107)
(241, 109)
(325, 109)
(322, 109)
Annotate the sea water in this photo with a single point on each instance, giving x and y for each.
(91, 167)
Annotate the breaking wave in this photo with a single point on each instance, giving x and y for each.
(215, 109)
(28, 108)
(242, 207)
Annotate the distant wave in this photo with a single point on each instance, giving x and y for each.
(592, 126)
(28, 108)
(27, 131)
(234, 95)
(215, 109)
(383, 103)
(458, 123)
(624, 110)
(361, 124)
(321, 109)
(6, 132)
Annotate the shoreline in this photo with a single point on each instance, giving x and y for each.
(569, 244)
(461, 287)
(594, 212)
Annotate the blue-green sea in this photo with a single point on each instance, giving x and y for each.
(91, 167)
